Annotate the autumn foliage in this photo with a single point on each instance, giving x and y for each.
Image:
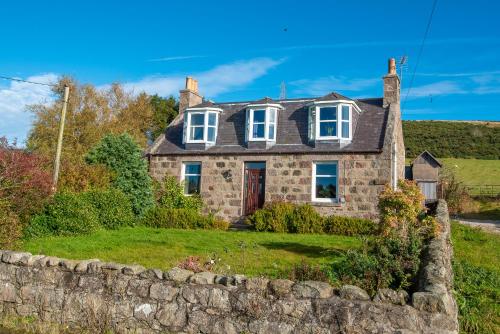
(403, 209)
(25, 182)
(25, 186)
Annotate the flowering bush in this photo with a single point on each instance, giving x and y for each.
(403, 209)
(195, 264)
(392, 258)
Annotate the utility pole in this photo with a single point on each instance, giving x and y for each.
(57, 161)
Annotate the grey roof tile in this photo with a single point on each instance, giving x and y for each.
(292, 134)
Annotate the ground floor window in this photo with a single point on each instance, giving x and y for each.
(324, 181)
(191, 175)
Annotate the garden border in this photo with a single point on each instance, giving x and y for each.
(129, 298)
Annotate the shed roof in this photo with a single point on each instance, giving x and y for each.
(427, 156)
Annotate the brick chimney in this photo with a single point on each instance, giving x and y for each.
(189, 96)
(391, 85)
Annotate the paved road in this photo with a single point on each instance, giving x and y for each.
(488, 225)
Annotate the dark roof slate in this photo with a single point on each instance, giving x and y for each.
(292, 133)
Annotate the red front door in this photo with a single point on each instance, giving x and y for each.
(254, 189)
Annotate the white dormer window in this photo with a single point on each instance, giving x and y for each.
(331, 121)
(200, 125)
(261, 123)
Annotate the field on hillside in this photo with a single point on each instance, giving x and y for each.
(479, 140)
(474, 171)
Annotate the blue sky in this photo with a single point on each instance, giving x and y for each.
(244, 50)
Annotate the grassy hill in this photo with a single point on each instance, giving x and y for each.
(450, 139)
(474, 171)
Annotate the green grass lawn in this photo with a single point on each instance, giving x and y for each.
(477, 278)
(474, 171)
(251, 253)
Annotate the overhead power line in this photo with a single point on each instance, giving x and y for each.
(26, 81)
(420, 50)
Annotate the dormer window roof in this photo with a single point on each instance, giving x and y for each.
(200, 124)
(261, 120)
(330, 118)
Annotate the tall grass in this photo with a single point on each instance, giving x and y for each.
(477, 279)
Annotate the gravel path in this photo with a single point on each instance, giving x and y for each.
(488, 225)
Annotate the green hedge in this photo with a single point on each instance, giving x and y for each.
(66, 214)
(113, 207)
(82, 213)
(303, 218)
(349, 226)
(181, 218)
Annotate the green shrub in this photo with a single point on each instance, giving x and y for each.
(286, 217)
(274, 217)
(303, 218)
(170, 195)
(66, 214)
(181, 218)
(341, 225)
(386, 262)
(113, 207)
(10, 227)
(124, 158)
(358, 268)
(304, 271)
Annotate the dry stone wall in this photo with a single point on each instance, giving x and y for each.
(130, 299)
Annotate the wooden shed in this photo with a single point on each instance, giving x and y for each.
(425, 171)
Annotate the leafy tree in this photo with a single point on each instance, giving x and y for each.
(25, 183)
(122, 155)
(164, 112)
(91, 114)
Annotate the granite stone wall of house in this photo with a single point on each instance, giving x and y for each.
(104, 297)
(288, 178)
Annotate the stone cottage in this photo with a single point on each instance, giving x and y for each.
(334, 152)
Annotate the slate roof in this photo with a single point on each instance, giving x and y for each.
(292, 135)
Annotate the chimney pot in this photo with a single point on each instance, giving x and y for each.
(392, 66)
(192, 84)
(189, 96)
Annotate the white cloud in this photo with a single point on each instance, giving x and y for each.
(436, 88)
(176, 58)
(322, 86)
(14, 120)
(213, 82)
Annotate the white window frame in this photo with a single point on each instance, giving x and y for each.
(315, 128)
(342, 121)
(319, 121)
(314, 175)
(267, 123)
(183, 174)
(205, 126)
